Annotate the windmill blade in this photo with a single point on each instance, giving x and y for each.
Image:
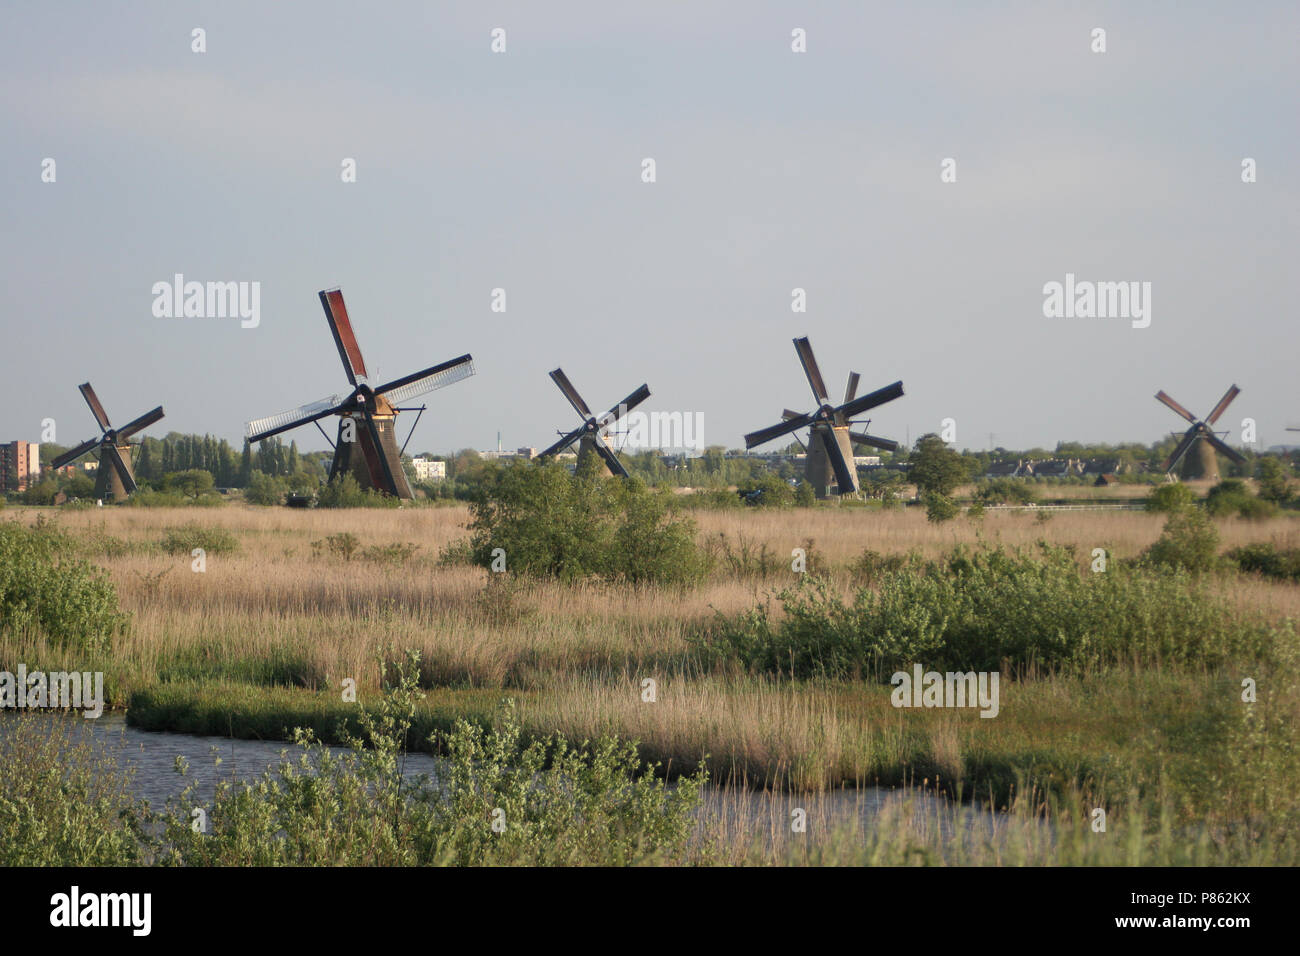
(776, 431)
(844, 475)
(141, 423)
(851, 390)
(1225, 448)
(336, 313)
(625, 406)
(96, 409)
(810, 369)
(787, 414)
(376, 459)
(884, 444)
(867, 402)
(1224, 402)
(611, 459)
(563, 443)
(75, 453)
(261, 428)
(1162, 397)
(571, 393)
(420, 383)
(1188, 438)
(114, 458)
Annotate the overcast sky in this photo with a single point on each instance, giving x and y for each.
(775, 170)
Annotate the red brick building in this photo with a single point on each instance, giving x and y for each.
(20, 465)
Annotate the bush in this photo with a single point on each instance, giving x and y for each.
(1171, 497)
(1190, 542)
(64, 798)
(43, 586)
(940, 508)
(976, 610)
(552, 524)
(40, 493)
(559, 804)
(1266, 559)
(767, 491)
(1231, 496)
(344, 492)
(264, 489)
(1003, 490)
(184, 539)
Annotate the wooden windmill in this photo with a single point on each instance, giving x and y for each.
(367, 437)
(114, 478)
(829, 468)
(1200, 440)
(590, 435)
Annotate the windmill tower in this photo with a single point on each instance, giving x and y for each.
(829, 468)
(591, 434)
(367, 437)
(1200, 440)
(114, 479)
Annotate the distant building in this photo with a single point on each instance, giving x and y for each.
(1055, 468)
(20, 465)
(529, 453)
(428, 470)
(1009, 469)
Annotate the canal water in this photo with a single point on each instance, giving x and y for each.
(772, 821)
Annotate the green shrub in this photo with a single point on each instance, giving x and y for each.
(553, 524)
(1231, 496)
(394, 554)
(1265, 558)
(1189, 541)
(264, 489)
(766, 491)
(344, 492)
(184, 539)
(1257, 509)
(939, 508)
(976, 610)
(1171, 497)
(43, 586)
(64, 798)
(499, 800)
(1003, 490)
(40, 493)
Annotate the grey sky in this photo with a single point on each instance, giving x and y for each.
(775, 170)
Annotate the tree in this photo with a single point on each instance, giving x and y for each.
(1274, 481)
(193, 482)
(246, 466)
(939, 508)
(936, 468)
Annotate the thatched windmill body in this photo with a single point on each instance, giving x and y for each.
(114, 479)
(1199, 443)
(590, 435)
(367, 436)
(829, 464)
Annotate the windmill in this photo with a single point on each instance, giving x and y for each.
(590, 435)
(367, 442)
(114, 479)
(830, 440)
(1201, 439)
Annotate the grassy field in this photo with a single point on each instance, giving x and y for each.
(260, 641)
